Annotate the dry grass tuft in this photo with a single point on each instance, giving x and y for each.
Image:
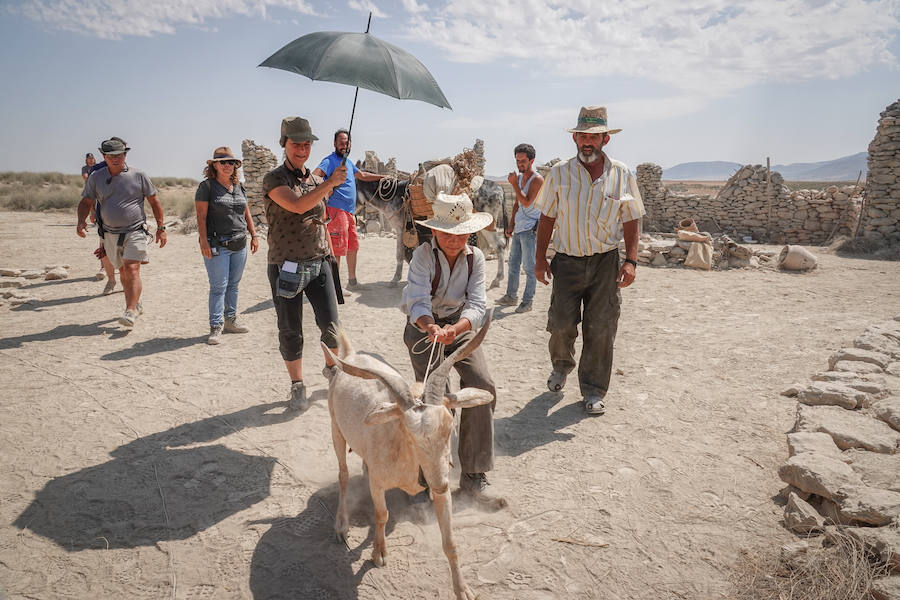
(869, 248)
(844, 570)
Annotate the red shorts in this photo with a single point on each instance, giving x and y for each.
(342, 230)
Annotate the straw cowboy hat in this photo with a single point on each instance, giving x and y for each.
(453, 214)
(592, 119)
(223, 153)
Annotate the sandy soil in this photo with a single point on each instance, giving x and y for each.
(146, 464)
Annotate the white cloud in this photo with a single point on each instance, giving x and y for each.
(116, 19)
(709, 46)
(366, 6)
(411, 6)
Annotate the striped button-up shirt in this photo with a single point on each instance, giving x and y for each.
(589, 214)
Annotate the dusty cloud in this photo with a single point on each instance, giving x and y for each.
(116, 19)
(701, 45)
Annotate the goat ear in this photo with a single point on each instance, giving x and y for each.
(384, 412)
(467, 398)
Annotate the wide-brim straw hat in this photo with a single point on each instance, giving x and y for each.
(455, 214)
(592, 119)
(223, 153)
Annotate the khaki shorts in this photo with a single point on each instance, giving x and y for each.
(136, 247)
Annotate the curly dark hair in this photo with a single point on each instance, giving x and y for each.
(526, 149)
(209, 172)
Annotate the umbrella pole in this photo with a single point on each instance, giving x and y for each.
(355, 95)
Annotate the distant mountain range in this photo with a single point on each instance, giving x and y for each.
(846, 168)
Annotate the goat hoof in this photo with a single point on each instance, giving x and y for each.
(378, 559)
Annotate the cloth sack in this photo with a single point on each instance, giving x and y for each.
(700, 256)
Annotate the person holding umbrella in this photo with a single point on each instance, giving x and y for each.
(299, 254)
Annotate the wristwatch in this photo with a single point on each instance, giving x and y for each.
(633, 262)
(160, 227)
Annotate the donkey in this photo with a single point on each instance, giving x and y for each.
(388, 197)
(396, 433)
(489, 198)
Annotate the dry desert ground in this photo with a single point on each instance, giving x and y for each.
(147, 464)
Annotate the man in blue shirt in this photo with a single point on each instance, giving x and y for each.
(342, 204)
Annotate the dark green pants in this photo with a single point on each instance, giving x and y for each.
(476, 424)
(585, 291)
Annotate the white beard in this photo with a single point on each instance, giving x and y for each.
(589, 158)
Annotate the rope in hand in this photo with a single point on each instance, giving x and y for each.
(431, 356)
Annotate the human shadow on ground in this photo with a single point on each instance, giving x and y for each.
(31, 286)
(154, 489)
(259, 307)
(379, 295)
(63, 331)
(534, 426)
(301, 557)
(42, 304)
(154, 346)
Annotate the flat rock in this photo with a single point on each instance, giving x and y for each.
(801, 517)
(875, 469)
(16, 301)
(9, 272)
(887, 588)
(883, 541)
(848, 429)
(31, 274)
(12, 282)
(56, 273)
(819, 474)
(870, 505)
(888, 410)
(877, 342)
(893, 368)
(855, 366)
(820, 443)
(832, 394)
(658, 260)
(860, 355)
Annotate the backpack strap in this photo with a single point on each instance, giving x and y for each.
(470, 261)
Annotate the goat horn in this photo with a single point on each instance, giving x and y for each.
(396, 386)
(437, 381)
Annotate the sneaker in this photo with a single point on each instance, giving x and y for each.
(297, 400)
(524, 307)
(233, 326)
(139, 309)
(215, 335)
(353, 284)
(507, 300)
(127, 319)
(109, 287)
(556, 381)
(594, 405)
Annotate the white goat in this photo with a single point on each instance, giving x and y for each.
(396, 433)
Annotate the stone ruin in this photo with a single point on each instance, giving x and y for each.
(843, 465)
(257, 161)
(880, 218)
(754, 203)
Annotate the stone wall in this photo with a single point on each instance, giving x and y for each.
(749, 206)
(257, 161)
(881, 217)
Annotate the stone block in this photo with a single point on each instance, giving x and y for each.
(801, 517)
(854, 366)
(887, 588)
(860, 355)
(816, 442)
(848, 429)
(12, 282)
(870, 505)
(820, 475)
(833, 394)
(888, 410)
(876, 470)
(56, 273)
(884, 542)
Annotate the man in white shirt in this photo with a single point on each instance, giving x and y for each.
(588, 204)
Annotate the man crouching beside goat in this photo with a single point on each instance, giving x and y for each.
(402, 432)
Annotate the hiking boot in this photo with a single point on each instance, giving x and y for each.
(232, 325)
(507, 300)
(297, 400)
(215, 335)
(523, 308)
(128, 318)
(109, 287)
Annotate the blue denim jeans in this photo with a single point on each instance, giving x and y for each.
(521, 255)
(224, 270)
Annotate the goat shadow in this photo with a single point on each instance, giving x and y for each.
(64, 331)
(300, 557)
(154, 489)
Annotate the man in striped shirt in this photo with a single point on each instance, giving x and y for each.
(588, 204)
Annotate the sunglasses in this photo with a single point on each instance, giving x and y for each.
(233, 163)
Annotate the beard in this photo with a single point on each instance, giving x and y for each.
(588, 154)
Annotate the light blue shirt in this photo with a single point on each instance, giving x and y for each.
(344, 195)
(526, 216)
(455, 290)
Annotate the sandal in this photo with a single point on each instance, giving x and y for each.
(556, 381)
(594, 405)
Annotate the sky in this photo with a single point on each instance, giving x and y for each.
(694, 80)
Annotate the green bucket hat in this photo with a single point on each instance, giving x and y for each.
(113, 146)
(296, 129)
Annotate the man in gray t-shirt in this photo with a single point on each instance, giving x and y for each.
(120, 192)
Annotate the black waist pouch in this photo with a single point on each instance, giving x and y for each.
(235, 243)
(291, 284)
